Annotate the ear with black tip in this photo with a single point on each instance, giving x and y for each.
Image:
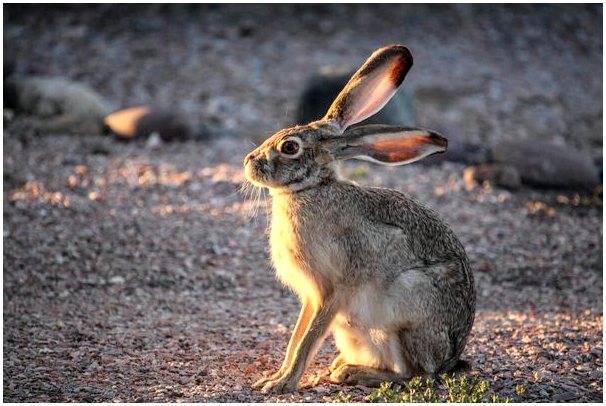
(371, 87)
(388, 145)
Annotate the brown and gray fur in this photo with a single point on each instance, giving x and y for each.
(372, 266)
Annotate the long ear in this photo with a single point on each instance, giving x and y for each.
(388, 145)
(371, 87)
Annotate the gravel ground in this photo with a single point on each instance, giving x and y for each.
(134, 273)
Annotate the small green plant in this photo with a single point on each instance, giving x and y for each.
(343, 398)
(449, 388)
(415, 390)
(520, 390)
(465, 390)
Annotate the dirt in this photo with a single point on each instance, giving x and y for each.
(138, 272)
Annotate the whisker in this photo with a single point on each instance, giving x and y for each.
(241, 189)
(247, 190)
(266, 207)
(252, 208)
(253, 197)
(258, 203)
(285, 113)
(251, 204)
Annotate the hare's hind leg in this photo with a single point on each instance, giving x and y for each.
(367, 358)
(363, 375)
(428, 350)
(336, 363)
(438, 305)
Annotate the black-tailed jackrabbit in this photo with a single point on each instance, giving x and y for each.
(380, 271)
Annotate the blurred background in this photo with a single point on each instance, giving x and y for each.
(523, 71)
(133, 269)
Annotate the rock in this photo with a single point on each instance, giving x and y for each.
(124, 122)
(323, 87)
(154, 142)
(566, 396)
(170, 125)
(597, 161)
(142, 121)
(117, 280)
(502, 175)
(58, 104)
(547, 165)
(459, 150)
(8, 66)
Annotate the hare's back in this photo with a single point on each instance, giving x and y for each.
(429, 237)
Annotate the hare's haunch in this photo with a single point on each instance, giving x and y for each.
(372, 266)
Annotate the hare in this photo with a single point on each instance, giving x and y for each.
(380, 271)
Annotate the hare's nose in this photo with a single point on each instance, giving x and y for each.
(248, 158)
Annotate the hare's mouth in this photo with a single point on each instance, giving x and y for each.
(257, 173)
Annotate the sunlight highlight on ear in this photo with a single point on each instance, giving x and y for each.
(380, 94)
(389, 145)
(402, 150)
(371, 87)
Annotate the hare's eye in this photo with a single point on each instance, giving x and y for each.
(289, 147)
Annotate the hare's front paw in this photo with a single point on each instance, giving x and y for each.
(261, 382)
(280, 385)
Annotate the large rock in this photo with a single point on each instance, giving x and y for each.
(459, 150)
(322, 88)
(548, 165)
(58, 104)
(143, 121)
(496, 174)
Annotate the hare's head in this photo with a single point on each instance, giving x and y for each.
(301, 157)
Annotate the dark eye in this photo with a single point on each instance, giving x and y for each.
(289, 147)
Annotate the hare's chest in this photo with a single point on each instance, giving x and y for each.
(301, 261)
